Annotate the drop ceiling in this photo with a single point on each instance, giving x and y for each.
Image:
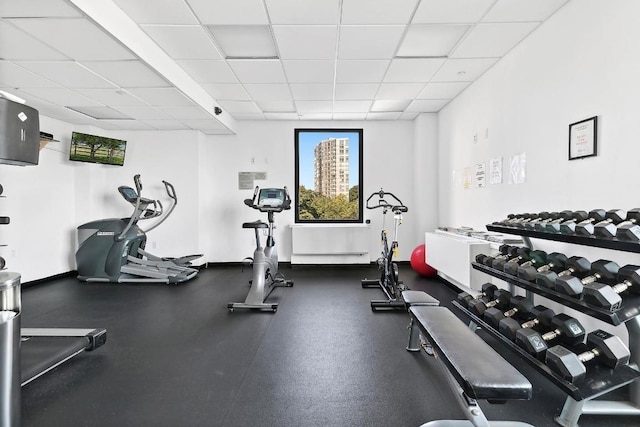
(171, 64)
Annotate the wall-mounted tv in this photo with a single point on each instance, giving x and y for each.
(97, 149)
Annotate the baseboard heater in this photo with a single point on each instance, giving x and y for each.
(330, 244)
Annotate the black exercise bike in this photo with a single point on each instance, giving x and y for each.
(389, 280)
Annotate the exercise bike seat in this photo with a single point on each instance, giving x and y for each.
(399, 209)
(255, 224)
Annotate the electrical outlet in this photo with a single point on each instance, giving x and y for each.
(475, 138)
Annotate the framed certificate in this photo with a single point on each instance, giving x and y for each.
(583, 138)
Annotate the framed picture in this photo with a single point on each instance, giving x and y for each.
(583, 138)
(328, 175)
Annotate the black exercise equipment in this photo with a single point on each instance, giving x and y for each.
(606, 296)
(389, 281)
(566, 328)
(602, 270)
(555, 262)
(593, 217)
(576, 266)
(541, 318)
(607, 348)
(520, 306)
(588, 229)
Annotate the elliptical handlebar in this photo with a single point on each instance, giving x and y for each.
(171, 191)
(396, 206)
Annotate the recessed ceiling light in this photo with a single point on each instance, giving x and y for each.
(245, 41)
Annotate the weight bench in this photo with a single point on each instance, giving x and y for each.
(417, 298)
(473, 368)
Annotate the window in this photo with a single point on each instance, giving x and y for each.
(328, 175)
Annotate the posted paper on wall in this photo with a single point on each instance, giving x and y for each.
(495, 171)
(481, 175)
(518, 168)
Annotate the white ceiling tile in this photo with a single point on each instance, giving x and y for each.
(124, 124)
(235, 92)
(451, 11)
(349, 116)
(208, 70)
(185, 112)
(143, 113)
(303, 12)
(276, 106)
(413, 69)
(16, 44)
(37, 9)
(431, 39)
(254, 116)
(268, 92)
(240, 107)
(522, 10)
(493, 40)
(463, 70)
(316, 116)
(359, 71)
(311, 107)
(162, 12)
(101, 112)
(356, 41)
(113, 97)
(61, 96)
(13, 76)
(183, 41)
(62, 35)
(244, 41)
(426, 105)
(399, 90)
(67, 73)
(356, 91)
(408, 116)
(395, 115)
(306, 42)
(448, 90)
(281, 116)
(312, 91)
(258, 71)
(132, 73)
(224, 12)
(309, 71)
(351, 106)
(166, 124)
(218, 132)
(376, 12)
(389, 105)
(161, 96)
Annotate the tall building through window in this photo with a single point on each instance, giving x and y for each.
(331, 167)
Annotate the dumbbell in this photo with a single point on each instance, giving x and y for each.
(588, 229)
(555, 262)
(541, 317)
(629, 228)
(554, 216)
(487, 259)
(575, 266)
(533, 218)
(602, 270)
(534, 259)
(566, 328)
(519, 305)
(487, 292)
(542, 217)
(516, 253)
(554, 226)
(594, 216)
(605, 296)
(608, 348)
(513, 218)
(500, 297)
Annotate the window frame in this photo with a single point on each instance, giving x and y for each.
(296, 195)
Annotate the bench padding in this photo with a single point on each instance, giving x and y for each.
(481, 372)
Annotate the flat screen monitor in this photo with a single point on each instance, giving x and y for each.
(97, 149)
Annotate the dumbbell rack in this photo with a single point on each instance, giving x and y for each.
(627, 314)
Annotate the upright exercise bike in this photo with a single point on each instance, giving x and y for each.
(265, 259)
(389, 281)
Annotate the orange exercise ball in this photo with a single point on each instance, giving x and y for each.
(419, 264)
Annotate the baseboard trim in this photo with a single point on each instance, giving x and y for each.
(72, 273)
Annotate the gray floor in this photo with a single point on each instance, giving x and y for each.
(176, 356)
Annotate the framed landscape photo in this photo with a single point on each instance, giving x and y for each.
(583, 138)
(328, 175)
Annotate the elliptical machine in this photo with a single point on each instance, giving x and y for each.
(112, 250)
(265, 259)
(389, 280)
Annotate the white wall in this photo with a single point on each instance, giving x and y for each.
(388, 158)
(581, 63)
